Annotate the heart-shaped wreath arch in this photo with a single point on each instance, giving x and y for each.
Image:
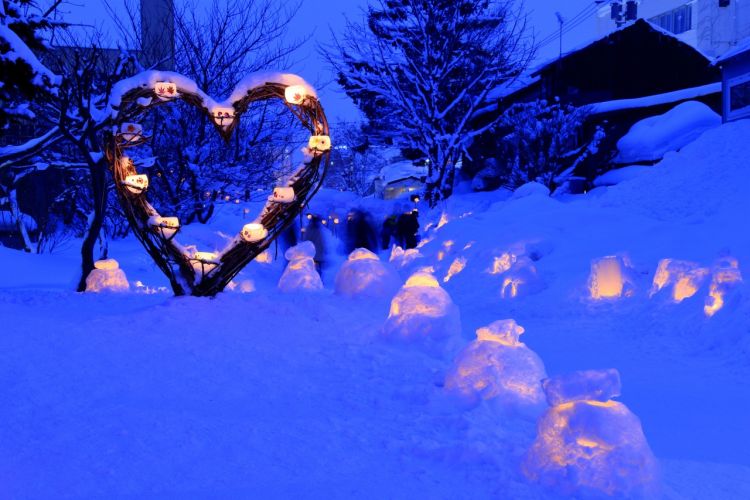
(206, 273)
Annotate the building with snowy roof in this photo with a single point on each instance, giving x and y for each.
(735, 69)
(637, 71)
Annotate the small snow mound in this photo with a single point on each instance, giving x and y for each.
(651, 138)
(300, 273)
(497, 366)
(364, 275)
(107, 277)
(588, 445)
(422, 312)
(614, 177)
(530, 189)
(301, 251)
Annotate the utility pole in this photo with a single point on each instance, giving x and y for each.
(561, 21)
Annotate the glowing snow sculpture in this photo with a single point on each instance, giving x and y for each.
(364, 275)
(589, 445)
(402, 258)
(458, 265)
(136, 184)
(166, 226)
(521, 279)
(610, 278)
(726, 275)
(223, 115)
(300, 273)
(422, 312)
(282, 195)
(295, 94)
(107, 277)
(502, 263)
(684, 277)
(498, 366)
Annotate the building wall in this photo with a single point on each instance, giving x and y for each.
(714, 29)
(157, 34)
(734, 71)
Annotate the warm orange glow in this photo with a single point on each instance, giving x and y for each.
(503, 263)
(264, 257)
(362, 254)
(458, 265)
(607, 279)
(510, 286)
(506, 332)
(688, 284)
(685, 277)
(725, 276)
(422, 279)
(443, 220)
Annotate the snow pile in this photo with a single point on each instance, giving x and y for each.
(364, 275)
(618, 175)
(682, 277)
(651, 138)
(589, 445)
(300, 273)
(724, 281)
(497, 366)
(422, 312)
(107, 277)
(530, 189)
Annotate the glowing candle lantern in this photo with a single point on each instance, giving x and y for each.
(253, 232)
(131, 132)
(283, 195)
(136, 184)
(166, 226)
(726, 275)
(588, 443)
(205, 257)
(458, 265)
(222, 115)
(610, 278)
(107, 277)
(498, 365)
(319, 143)
(295, 94)
(684, 277)
(521, 279)
(502, 263)
(364, 275)
(165, 90)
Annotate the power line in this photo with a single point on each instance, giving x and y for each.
(576, 21)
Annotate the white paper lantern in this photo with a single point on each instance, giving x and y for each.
(295, 94)
(131, 132)
(282, 195)
(165, 90)
(253, 232)
(319, 143)
(223, 115)
(166, 226)
(136, 184)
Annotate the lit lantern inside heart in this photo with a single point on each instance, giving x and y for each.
(131, 132)
(283, 194)
(166, 226)
(294, 94)
(136, 184)
(165, 90)
(253, 232)
(319, 143)
(223, 116)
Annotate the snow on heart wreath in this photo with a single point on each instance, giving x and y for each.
(190, 271)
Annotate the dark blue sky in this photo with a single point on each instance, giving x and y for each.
(320, 16)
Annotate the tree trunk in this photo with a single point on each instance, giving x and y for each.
(98, 172)
(15, 212)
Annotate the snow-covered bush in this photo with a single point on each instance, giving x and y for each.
(107, 277)
(300, 273)
(498, 366)
(364, 275)
(589, 445)
(423, 313)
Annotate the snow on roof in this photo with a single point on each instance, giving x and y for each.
(625, 27)
(401, 170)
(511, 86)
(741, 47)
(654, 100)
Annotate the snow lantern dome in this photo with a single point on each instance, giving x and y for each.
(589, 445)
(683, 277)
(611, 278)
(402, 259)
(422, 312)
(521, 279)
(107, 277)
(364, 275)
(725, 277)
(497, 366)
(300, 273)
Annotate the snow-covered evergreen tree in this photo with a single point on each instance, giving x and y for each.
(421, 69)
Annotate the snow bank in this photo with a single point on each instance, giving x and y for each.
(651, 138)
(364, 275)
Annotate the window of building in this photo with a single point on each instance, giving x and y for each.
(676, 21)
(739, 97)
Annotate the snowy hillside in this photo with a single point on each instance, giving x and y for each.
(298, 395)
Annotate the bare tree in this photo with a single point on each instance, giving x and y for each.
(421, 69)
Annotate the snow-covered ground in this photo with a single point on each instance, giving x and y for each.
(296, 395)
